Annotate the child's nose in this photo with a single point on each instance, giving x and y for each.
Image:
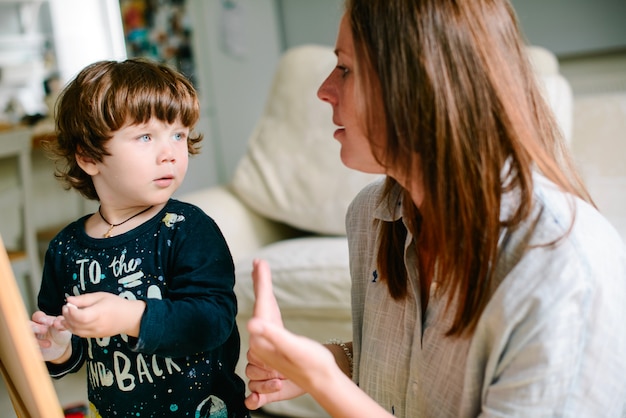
(167, 153)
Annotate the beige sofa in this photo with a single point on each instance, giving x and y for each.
(287, 201)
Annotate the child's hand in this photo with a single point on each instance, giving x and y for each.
(52, 336)
(102, 314)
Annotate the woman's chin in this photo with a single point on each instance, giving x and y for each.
(368, 167)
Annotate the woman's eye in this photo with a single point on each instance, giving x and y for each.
(343, 69)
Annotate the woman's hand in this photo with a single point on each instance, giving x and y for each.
(52, 336)
(266, 384)
(307, 363)
(102, 314)
(276, 353)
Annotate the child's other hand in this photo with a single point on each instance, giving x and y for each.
(102, 314)
(52, 336)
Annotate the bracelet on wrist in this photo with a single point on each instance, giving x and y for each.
(346, 350)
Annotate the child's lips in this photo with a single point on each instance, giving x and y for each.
(164, 181)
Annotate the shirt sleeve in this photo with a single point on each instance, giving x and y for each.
(51, 297)
(558, 336)
(198, 312)
(50, 300)
(74, 363)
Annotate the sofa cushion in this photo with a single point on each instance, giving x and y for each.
(311, 278)
(292, 171)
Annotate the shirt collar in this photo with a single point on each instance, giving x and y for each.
(389, 208)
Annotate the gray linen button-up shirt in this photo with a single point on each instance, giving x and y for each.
(550, 342)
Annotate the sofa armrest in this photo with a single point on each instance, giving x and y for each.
(557, 90)
(245, 230)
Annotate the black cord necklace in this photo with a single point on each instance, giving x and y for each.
(111, 226)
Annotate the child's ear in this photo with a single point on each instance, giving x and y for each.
(88, 164)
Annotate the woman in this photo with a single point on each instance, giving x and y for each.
(484, 281)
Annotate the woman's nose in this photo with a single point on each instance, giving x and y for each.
(326, 91)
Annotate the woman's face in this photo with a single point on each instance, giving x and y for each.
(342, 91)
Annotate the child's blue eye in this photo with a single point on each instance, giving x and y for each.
(179, 136)
(144, 138)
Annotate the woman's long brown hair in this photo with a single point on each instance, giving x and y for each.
(456, 89)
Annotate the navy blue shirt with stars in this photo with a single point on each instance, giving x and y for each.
(183, 361)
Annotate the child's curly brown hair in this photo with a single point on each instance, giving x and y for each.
(108, 95)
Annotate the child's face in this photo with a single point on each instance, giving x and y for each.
(148, 162)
